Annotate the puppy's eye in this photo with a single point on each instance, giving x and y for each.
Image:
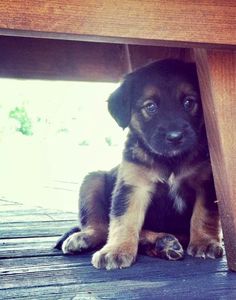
(151, 107)
(189, 103)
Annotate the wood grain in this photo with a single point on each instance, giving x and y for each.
(35, 228)
(217, 75)
(74, 278)
(131, 289)
(31, 269)
(73, 60)
(28, 247)
(141, 55)
(61, 60)
(182, 22)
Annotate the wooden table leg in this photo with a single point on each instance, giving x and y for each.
(217, 76)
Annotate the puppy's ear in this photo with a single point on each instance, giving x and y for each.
(120, 103)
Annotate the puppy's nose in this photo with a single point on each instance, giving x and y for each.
(174, 136)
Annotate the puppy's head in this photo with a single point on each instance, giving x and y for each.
(160, 103)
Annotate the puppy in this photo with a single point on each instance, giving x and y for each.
(161, 198)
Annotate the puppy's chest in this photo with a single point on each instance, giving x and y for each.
(177, 192)
(182, 187)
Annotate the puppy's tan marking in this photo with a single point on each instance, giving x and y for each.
(122, 245)
(150, 237)
(139, 176)
(147, 236)
(142, 156)
(205, 236)
(135, 123)
(185, 88)
(150, 91)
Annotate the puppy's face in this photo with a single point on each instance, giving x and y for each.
(161, 105)
(166, 116)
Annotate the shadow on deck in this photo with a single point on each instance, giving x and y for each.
(30, 269)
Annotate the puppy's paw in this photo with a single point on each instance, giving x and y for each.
(113, 258)
(75, 243)
(205, 249)
(168, 247)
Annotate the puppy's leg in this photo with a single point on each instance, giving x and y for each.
(93, 216)
(205, 236)
(162, 245)
(130, 200)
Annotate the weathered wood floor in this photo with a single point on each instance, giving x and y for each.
(30, 269)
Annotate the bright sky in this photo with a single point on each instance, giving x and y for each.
(70, 113)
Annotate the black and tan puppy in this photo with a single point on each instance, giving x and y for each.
(162, 194)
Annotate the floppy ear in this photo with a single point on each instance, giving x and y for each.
(119, 104)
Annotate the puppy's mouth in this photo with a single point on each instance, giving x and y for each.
(177, 151)
(172, 150)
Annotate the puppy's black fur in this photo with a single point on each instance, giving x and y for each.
(163, 189)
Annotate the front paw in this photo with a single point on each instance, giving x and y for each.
(75, 243)
(110, 257)
(205, 249)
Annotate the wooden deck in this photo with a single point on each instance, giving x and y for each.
(31, 269)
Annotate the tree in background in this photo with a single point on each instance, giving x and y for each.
(20, 114)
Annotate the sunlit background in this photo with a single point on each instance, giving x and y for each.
(52, 133)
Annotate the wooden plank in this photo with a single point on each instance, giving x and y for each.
(44, 263)
(13, 212)
(181, 22)
(141, 55)
(28, 247)
(35, 229)
(189, 265)
(68, 60)
(217, 75)
(5, 202)
(11, 207)
(129, 289)
(21, 209)
(150, 278)
(32, 269)
(170, 288)
(23, 218)
(34, 214)
(61, 60)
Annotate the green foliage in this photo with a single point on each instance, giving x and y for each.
(20, 114)
(84, 143)
(108, 140)
(63, 130)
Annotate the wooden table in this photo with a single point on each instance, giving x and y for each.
(208, 27)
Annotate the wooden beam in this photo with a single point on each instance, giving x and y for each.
(141, 55)
(217, 75)
(173, 22)
(73, 60)
(61, 60)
